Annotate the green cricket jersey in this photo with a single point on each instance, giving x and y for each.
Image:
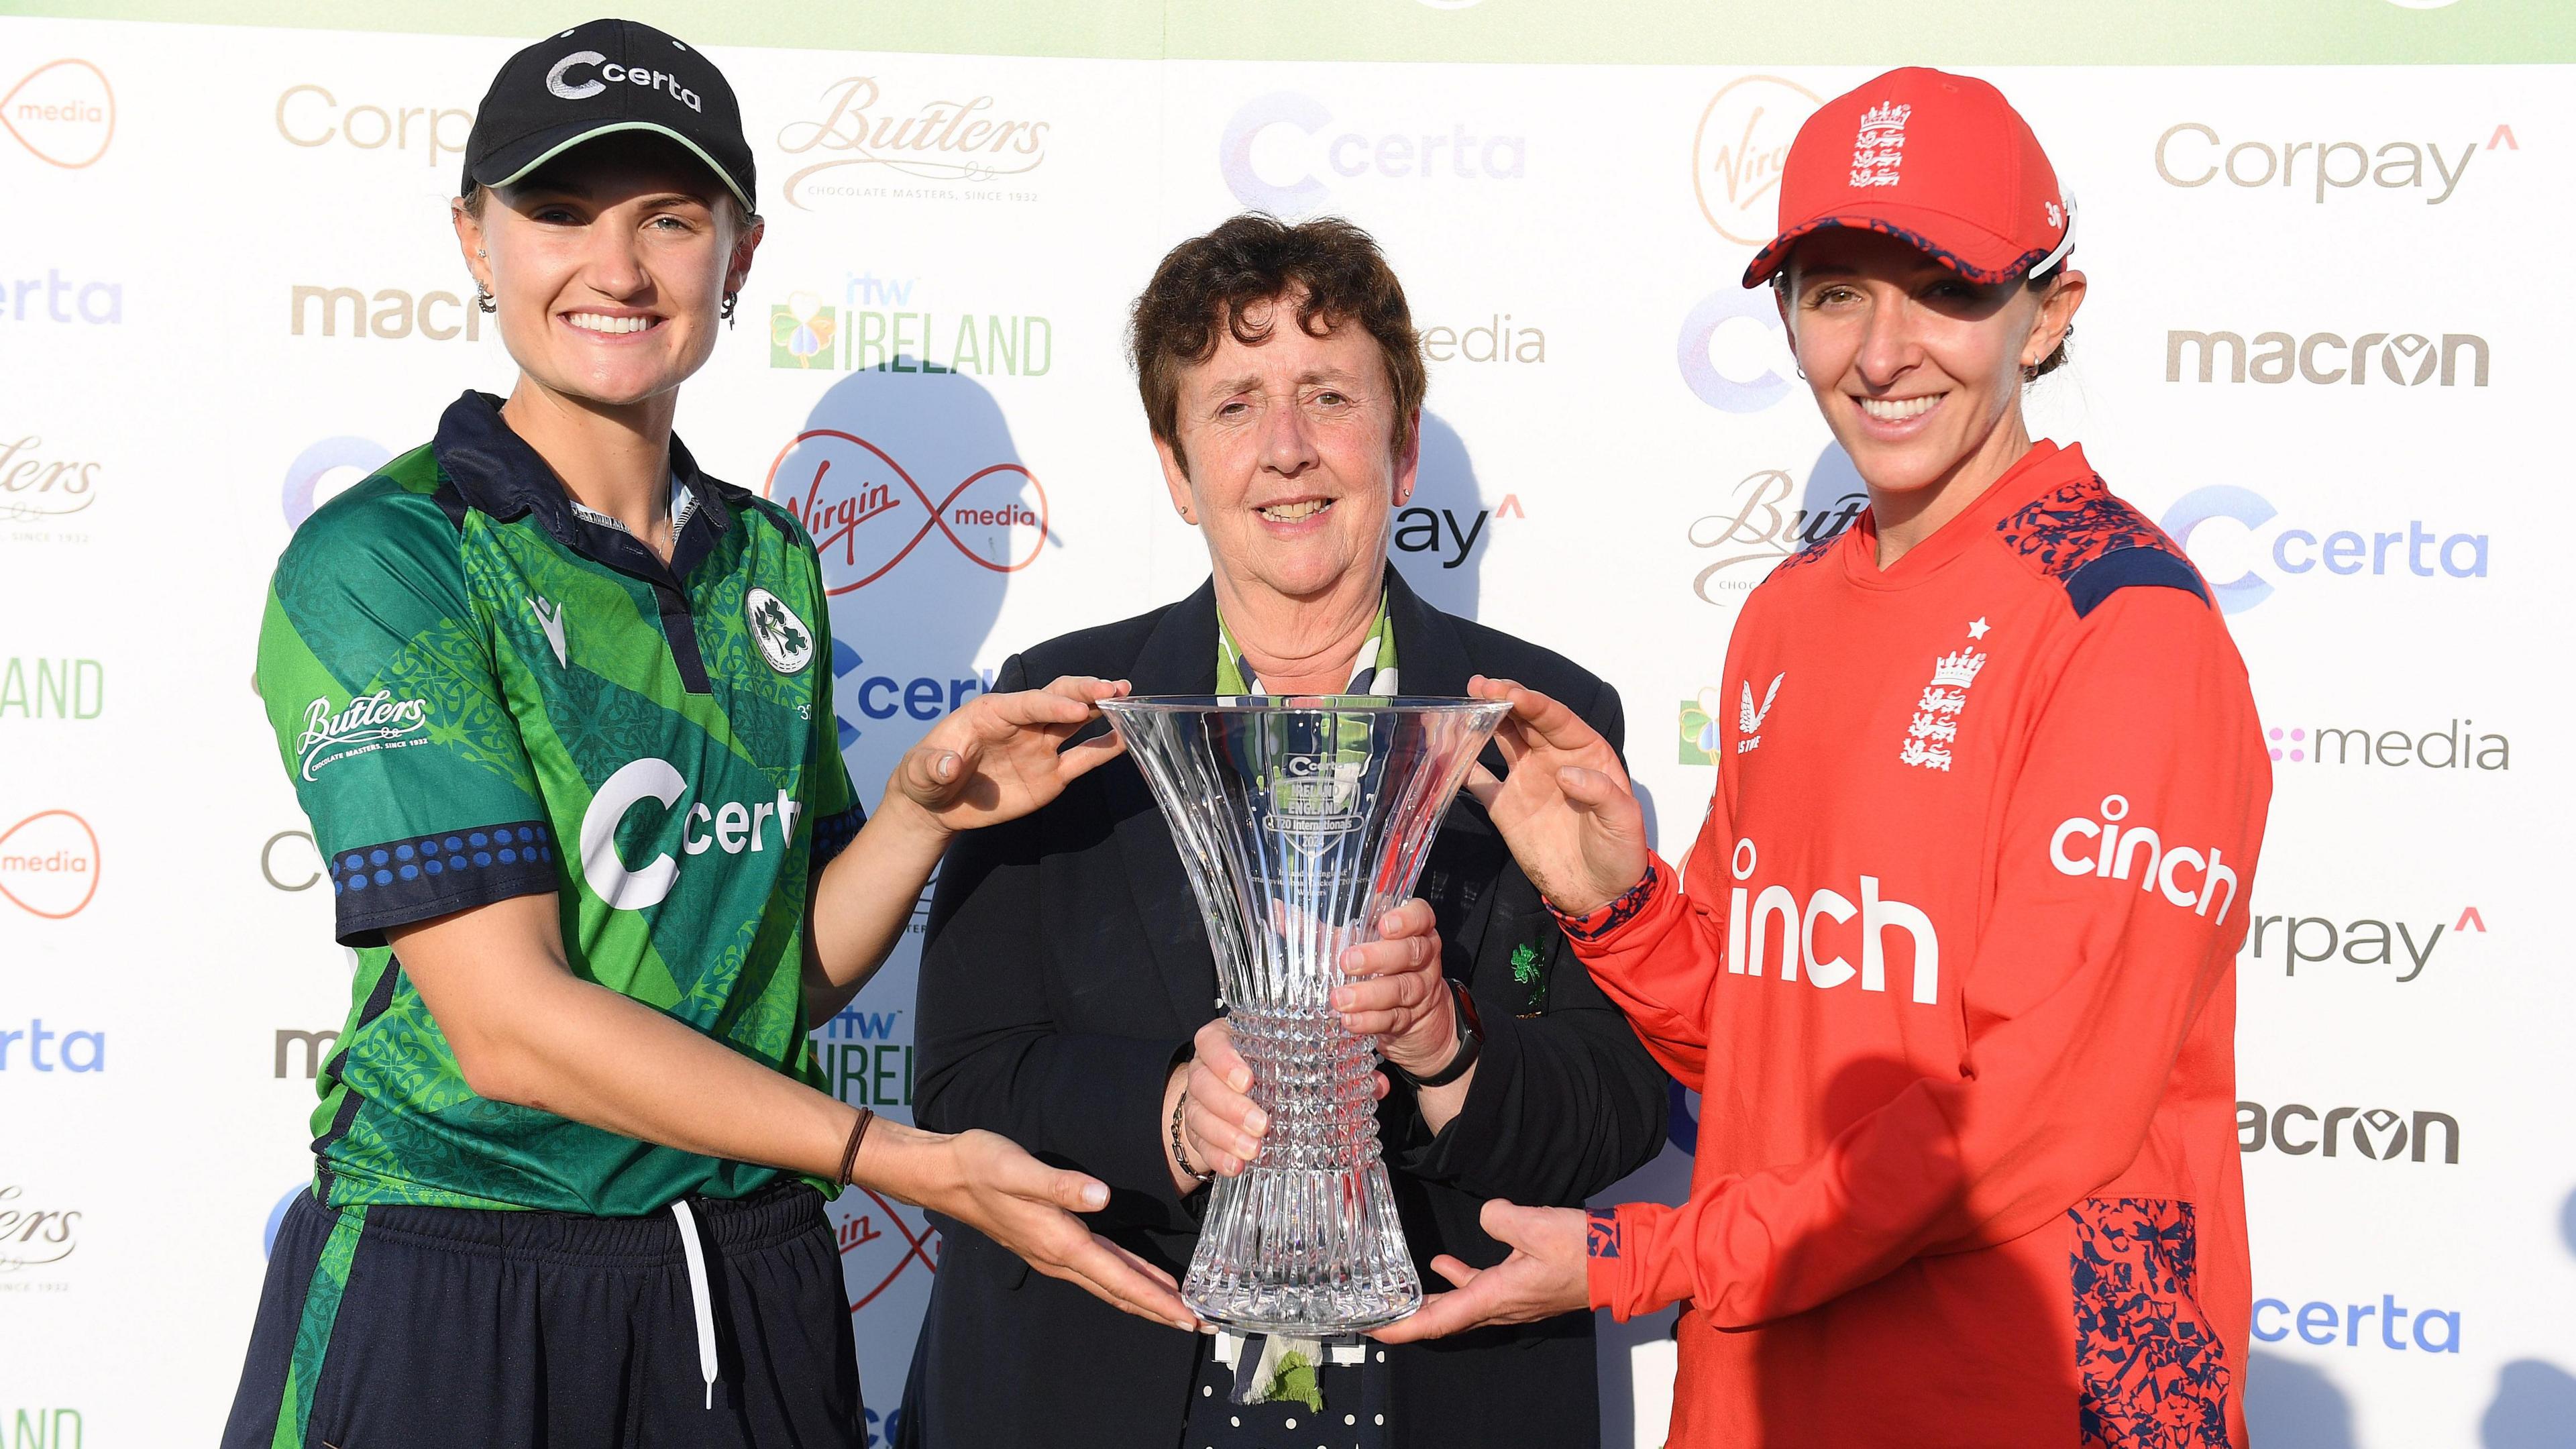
(483, 690)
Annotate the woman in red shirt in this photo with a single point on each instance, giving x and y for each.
(1952, 961)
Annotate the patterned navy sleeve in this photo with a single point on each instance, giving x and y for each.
(1617, 913)
(833, 834)
(423, 877)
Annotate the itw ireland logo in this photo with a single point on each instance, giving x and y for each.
(372, 722)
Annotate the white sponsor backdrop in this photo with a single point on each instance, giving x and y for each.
(1616, 449)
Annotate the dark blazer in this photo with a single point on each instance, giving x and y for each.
(1065, 972)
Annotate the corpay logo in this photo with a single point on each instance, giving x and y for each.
(729, 826)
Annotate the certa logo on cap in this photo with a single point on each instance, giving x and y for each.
(1941, 162)
(599, 79)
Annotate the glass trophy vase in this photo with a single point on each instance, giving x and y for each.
(1301, 820)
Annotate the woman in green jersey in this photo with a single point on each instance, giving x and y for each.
(559, 707)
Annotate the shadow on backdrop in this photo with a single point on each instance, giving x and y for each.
(1439, 537)
(922, 512)
(2290, 1405)
(2534, 1408)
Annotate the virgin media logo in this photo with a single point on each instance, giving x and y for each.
(868, 514)
(49, 864)
(63, 112)
(1741, 149)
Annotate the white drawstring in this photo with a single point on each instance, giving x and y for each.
(699, 1306)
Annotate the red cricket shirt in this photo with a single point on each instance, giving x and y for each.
(1952, 967)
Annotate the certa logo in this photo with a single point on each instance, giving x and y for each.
(1751, 923)
(1277, 149)
(1734, 354)
(867, 514)
(63, 112)
(728, 826)
(586, 73)
(49, 864)
(1741, 149)
(2415, 549)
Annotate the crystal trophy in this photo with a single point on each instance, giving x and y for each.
(1301, 820)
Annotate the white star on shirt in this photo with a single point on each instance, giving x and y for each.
(1977, 629)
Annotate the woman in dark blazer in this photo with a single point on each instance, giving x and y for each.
(1067, 983)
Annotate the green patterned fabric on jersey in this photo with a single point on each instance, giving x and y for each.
(482, 691)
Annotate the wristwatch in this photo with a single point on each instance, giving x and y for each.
(1471, 1041)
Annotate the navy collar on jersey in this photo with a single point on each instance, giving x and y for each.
(494, 471)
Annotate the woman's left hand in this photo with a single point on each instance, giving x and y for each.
(1000, 756)
(1397, 994)
(1542, 1278)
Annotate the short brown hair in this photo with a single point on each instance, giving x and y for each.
(1336, 268)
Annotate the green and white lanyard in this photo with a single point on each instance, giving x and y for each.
(1372, 668)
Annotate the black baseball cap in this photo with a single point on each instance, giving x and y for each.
(597, 79)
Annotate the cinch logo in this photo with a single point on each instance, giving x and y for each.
(34, 486)
(63, 112)
(1493, 340)
(61, 688)
(309, 115)
(2318, 1323)
(1777, 908)
(1290, 136)
(938, 140)
(2414, 550)
(882, 696)
(586, 73)
(2407, 359)
(2378, 1133)
(805, 333)
(2192, 154)
(728, 826)
(2108, 849)
(49, 864)
(371, 722)
(1420, 530)
(49, 298)
(1741, 149)
(80, 1051)
(1733, 352)
(316, 1049)
(2314, 939)
(867, 514)
(2455, 748)
(397, 313)
(1760, 529)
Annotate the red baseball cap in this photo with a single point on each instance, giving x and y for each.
(1940, 161)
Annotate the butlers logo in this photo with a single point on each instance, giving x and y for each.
(34, 1236)
(37, 482)
(1741, 149)
(49, 864)
(1762, 523)
(868, 514)
(372, 722)
(862, 144)
(63, 112)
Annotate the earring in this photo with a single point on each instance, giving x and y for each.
(484, 299)
(726, 311)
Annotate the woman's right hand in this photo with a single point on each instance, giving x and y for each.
(989, 1183)
(1566, 809)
